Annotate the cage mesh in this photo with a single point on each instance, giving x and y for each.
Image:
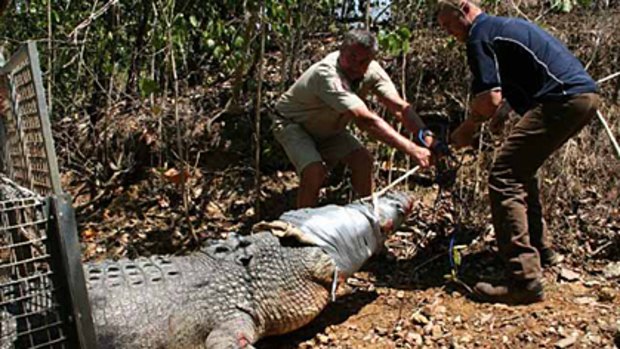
(29, 157)
(36, 304)
(30, 315)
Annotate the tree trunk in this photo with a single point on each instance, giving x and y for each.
(138, 51)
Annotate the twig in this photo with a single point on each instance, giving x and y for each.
(600, 249)
(609, 77)
(180, 145)
(519, 12)
(259, 90)
(91, 18)
(613, 140)
(597, 43)
(427, 262)
(400, 179)
(462, 284)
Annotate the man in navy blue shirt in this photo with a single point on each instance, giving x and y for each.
(515, 60)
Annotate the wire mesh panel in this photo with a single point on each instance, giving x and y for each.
(43, 297)
(28, 156)
(30, 311)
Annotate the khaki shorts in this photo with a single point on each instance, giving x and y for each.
(303, 149)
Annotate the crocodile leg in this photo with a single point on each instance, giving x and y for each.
(238, 333)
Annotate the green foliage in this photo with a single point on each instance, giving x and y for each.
(126, 48)
(395, 42)
(148, 86)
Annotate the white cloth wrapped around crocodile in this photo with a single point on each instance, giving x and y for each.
(349, 234)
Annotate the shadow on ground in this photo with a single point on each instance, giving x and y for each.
(335, 313)
(429, 266)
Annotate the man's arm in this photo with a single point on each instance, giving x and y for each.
(483, 107)
(404, 111)
(381, 130)
(407, 115)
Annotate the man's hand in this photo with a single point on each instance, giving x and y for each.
(463, 136)
(496, 125)
(428, 139)
(381, 130)
(421, 155)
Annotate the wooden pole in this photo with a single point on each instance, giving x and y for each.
(259, 89)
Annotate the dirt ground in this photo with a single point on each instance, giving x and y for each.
(405, 297)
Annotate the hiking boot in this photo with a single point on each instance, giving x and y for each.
(513, 293)
(549, 257)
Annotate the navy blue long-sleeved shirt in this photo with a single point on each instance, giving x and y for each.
(527, 63)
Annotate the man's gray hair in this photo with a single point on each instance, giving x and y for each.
(360, 37)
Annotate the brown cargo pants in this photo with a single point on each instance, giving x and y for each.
(513, 183)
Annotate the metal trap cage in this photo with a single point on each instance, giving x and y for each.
(43, 299)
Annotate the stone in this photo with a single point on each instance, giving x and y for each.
(414, 338)
(419, 319)
(569, 275)
(566, 342)
(612, 270)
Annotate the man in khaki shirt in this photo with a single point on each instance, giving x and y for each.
(312, 118)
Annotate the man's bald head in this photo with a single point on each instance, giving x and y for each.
(444, 6)
(457, 16)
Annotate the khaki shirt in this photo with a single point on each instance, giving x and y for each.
(318, 99)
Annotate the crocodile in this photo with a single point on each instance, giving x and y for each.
(232, 292)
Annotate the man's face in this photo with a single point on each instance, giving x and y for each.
(455, 24)
(354, 61)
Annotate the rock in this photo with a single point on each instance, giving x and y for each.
(441, 309)
(485, 318)
(307, 345)
(419, 319)
(436, 332)
(594, 339)
(414, 338)
(566, 342)
(612, 270)
(381, 331)
(569, 275)
(584, 300)
(606, 294)
(456, 345)
(428, 329)
(466, 339)
(323, 339)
